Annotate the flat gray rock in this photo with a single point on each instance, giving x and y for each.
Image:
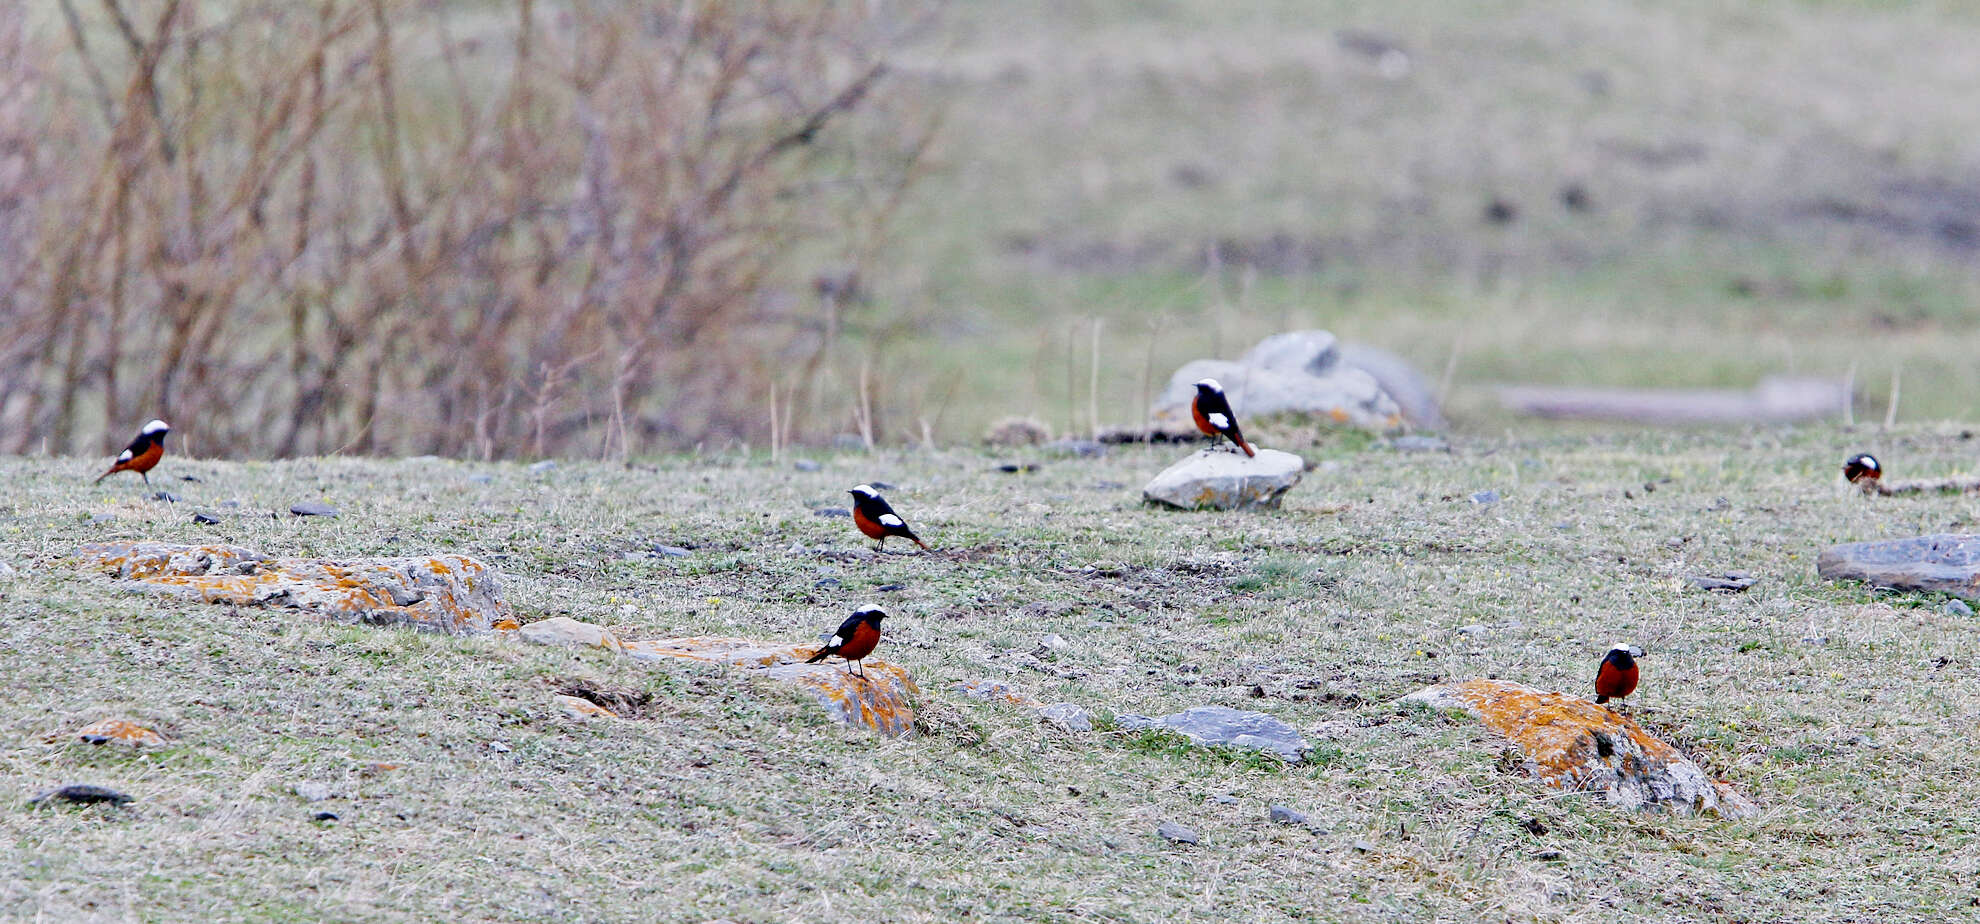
(1213, 725)
(1299, 372)
(1946, 563)
(1219, 479)
(1067, 716)
(312, 509)
(1177, 834)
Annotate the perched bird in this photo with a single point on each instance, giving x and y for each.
(1214, 415)
(143, 453)
(1864, 470)
(877, 520)
(1617, 676)
(856, 638)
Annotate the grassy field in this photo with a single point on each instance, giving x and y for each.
(1844, 712)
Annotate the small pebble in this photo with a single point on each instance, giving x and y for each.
(1361, 846)
(1485, 498)
(1287, 815)
(1546, 853)
(312, 509)
(1224, 798)
(499, 747)
(544, 466)
(1474, 630)
(1177, 834)
(890, 588)
(313, 791)
(206, 519)
(826, 583)
(323, 816)
(1956, 608)
(671, 551)
(166, 496)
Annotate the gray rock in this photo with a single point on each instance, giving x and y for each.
(807, 465)
(1300, 372)
(6, 570)
(1177, 834)
(671, 551)
(1288, 816)
(1401, 381)
(1816, 640)
(80, 794)
(1362, 846)
(546, 465)
(1475, 629)
(1067, 716)
(1957, 608)
(1224, 798)
(166, 496)
(103, 518)
(1213, 725)
(1220, 480)
(312, 509)
(1731, 582)
(831, 512)
(1947, 563)
(206, 519)
(1485, 498)
(482, 478)
(313, 791)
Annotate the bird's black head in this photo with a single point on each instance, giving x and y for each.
(1862, 465)
(1623, 656)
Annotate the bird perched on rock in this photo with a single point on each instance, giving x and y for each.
(877, 519)
(1214, 415)
(1616, 678)
(143, 453)
(856, 638)
(1863, 470)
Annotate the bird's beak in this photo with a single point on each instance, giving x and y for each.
(1635, 652)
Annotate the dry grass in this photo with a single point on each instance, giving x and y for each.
(732, 799)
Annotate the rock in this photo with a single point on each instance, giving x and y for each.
(545, 466)
(1731, 582)
(880, 701)
(1222, 725)
(807, 465)
(1485, 498)
(1066, 716)
(6, 570)
(1300, 372)
(313, 791)
(448, 593)
(1017, 468)
(324, 817)
(831, 512)
(671, 551)
(1224, 798)
(1947, 563)
(1475, 629)
(1221, 480)
(80, 794)
(1082, 449)
(1177, 834)
(1957, 608)
(994, 691)
(563, 630)
(118, 731)
(1362, 846)
(1575, 745)
(481, 478)
(312, 509)
(206, 519)
(579, 708)
(166, 496)
(1287, 816)
(1411, 391)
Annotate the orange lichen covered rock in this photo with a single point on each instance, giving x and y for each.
(1576, 745)
(881, 701)
(118, 731)
(577, 707)
(449, 593)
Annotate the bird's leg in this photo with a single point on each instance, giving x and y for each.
(147, 478)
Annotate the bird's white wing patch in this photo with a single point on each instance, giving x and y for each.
(1218, 420)
(888, 519)
(124, 456)
(835, 642)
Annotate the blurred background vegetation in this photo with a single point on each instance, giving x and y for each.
(516, 228)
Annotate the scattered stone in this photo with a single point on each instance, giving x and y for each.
(1485, 498)
(994, 691)
(1177, 834)
(1419, 443)
(80, 794)
(118, 731)
(880, 701)
(826, 583)
(323, 817)
(807, 465)
(1224, 798)
(313, 791)
(1066, 716)
(166, 496)
(671, 551)
(1731, 582)
(482, 478)
(1575, 745)
(312, 509)
(579, 708)
(1081, 449)
(1361, 846)
(1947, 563)
(1013, 468)
(102, 518)
(1547, 853)
(831, 512)
(547, 465)
(1287, 816)
(195, 479)
(1817, 640)
(889, 588)
(1222, 480)
(6, 570)
(563, 630)
(1054, 642)
(500, 747)
(1475, 629)
(448, 593)
(1299, 372)
(206, 519)
(1957, 608)
(1215, 725)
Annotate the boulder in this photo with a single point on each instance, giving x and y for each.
(1221, 479)
(1222, 725)
(1301, 372)
(563, 630)
(447, 593)
(1575, 745)
(1410, 389)
(1946, 563)
(1066, 717)
(880, 701)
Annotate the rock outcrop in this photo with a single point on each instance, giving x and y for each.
(1947, 563)
(1300, 372)
(446, 593)
(1222, 725)
(1573, 744)
(1221, 479)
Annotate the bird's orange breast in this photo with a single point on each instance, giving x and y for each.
(1615, 682)
(1202, 422)
(867, 525)
(143, 461)
(865, 638)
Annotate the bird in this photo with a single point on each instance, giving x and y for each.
(1214, 415)
(856, 638)
(877, 519)
(143, 453)
(1863, 469)
(1616, 678)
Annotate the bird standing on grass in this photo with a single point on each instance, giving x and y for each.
(1863, 470)
(1616, 678)
(856, 638)
(1214, 415)
(877, 519)
(143, 453)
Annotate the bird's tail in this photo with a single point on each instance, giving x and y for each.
(99, 478)
(1239, 438)
(1601, 699)
(820, 656)
(917, 541)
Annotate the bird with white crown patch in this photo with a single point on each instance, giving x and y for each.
(143, 453)
(877, 519)
(1214, 416)
(856, 638)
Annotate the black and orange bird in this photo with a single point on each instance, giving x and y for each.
(1863, 470)
(877, 519)
(1214, 415)
(856, 638)
(1616, 678)
(143, 453)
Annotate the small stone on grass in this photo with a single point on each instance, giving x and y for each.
(312, 509)
(1177, 834)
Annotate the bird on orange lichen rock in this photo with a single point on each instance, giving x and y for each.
(877, 519)
(1616, 678)
(143, 453)
(856, 638)
(1214, 416)
(1863, 470)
